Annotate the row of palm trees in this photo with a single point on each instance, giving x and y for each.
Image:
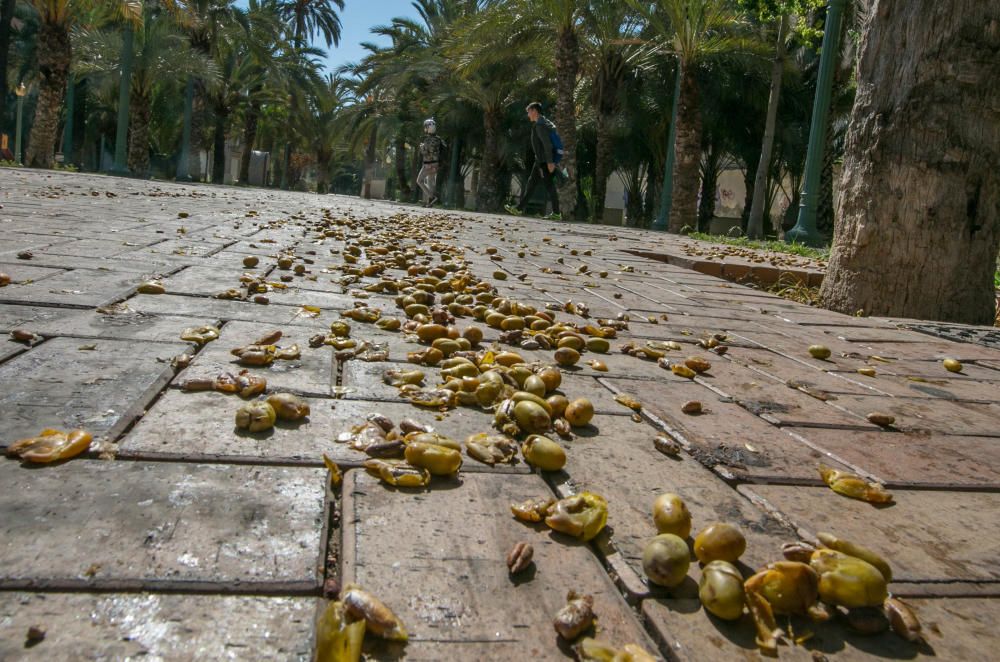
(626, 81)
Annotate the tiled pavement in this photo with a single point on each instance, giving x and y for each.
(199, 543)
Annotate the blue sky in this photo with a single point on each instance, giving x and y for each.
(358, 18)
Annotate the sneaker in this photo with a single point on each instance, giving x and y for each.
(554, 217)
(513, 211)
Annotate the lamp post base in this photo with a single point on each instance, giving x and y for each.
(800, 235)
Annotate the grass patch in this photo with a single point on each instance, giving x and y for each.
(773, 246)
(790, 287)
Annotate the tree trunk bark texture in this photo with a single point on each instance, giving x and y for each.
(755, 224)
(54, 55)
(687, 155)
(488, 193)
(603, 161)
(140, 115)
(920, 207)
(567, 68)
(251, 122)
(824, 202)
(6, 14)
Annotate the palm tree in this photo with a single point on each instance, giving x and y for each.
(610, 30)
(323, 130)
(311, 17)
(98, 52)
(695, 32)
(55, 54)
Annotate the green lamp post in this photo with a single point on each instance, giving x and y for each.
(184, 160)
(805, 231)
(68, 128)
(124, 86)
(662, 221)
(20, 92)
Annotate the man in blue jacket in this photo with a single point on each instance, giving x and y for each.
(544, 168)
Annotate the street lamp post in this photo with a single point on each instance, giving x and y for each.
(68, 129)
(805, 231)
(184, 160)
(125, 86)
(667, 194)
(20, 92)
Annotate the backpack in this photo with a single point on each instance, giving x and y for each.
(557, 144)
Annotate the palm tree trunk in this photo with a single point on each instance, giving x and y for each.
(54, 56)
(603, 162)
(140, 113)
(250, 125)
(6, 15)
(567, 68)
(919, 224)
(366, 187)
(687, 159)
(488, 193)
(219, 147)
(755, 224)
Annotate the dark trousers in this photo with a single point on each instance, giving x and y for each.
(540, 173)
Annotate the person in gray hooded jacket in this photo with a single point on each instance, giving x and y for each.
(544, 169)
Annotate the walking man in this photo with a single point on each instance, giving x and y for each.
(545, 168)
(430, 154)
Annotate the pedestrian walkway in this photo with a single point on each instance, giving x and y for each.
(180, 536)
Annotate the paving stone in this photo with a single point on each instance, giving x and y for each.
(928, 387)
(785, 369)
(14, 316)
(21, 272)
(956, 629)
(123, 325)
(156, 626)
(206, 281)
(726, 436)
(449, 581)
(913, 458)
(96, 247)
(200, 427)
(935, 370)
(925, 535)
(621, 464)
(150, 522)
(188, 306)
(313, 373)
(75, 288)
(943, 417)
(61, 386)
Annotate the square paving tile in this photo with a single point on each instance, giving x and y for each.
(313, 373)
(956, 628)
(125, 626)
(449, 581)
(925, 535)
(913, 458)
(57, 384)
(621, 464)
(112, 521)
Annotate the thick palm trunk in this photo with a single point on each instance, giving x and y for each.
(323, 160)
(919, 214)
(755, 224)
(250, 126)
(687, 155)
(6, 14)
(366, 186)
(488, 193)
(219, 148)
(567, 68)
(54, 55)
(603, 162)
(140, 114)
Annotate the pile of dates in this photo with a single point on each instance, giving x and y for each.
(834, 578)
